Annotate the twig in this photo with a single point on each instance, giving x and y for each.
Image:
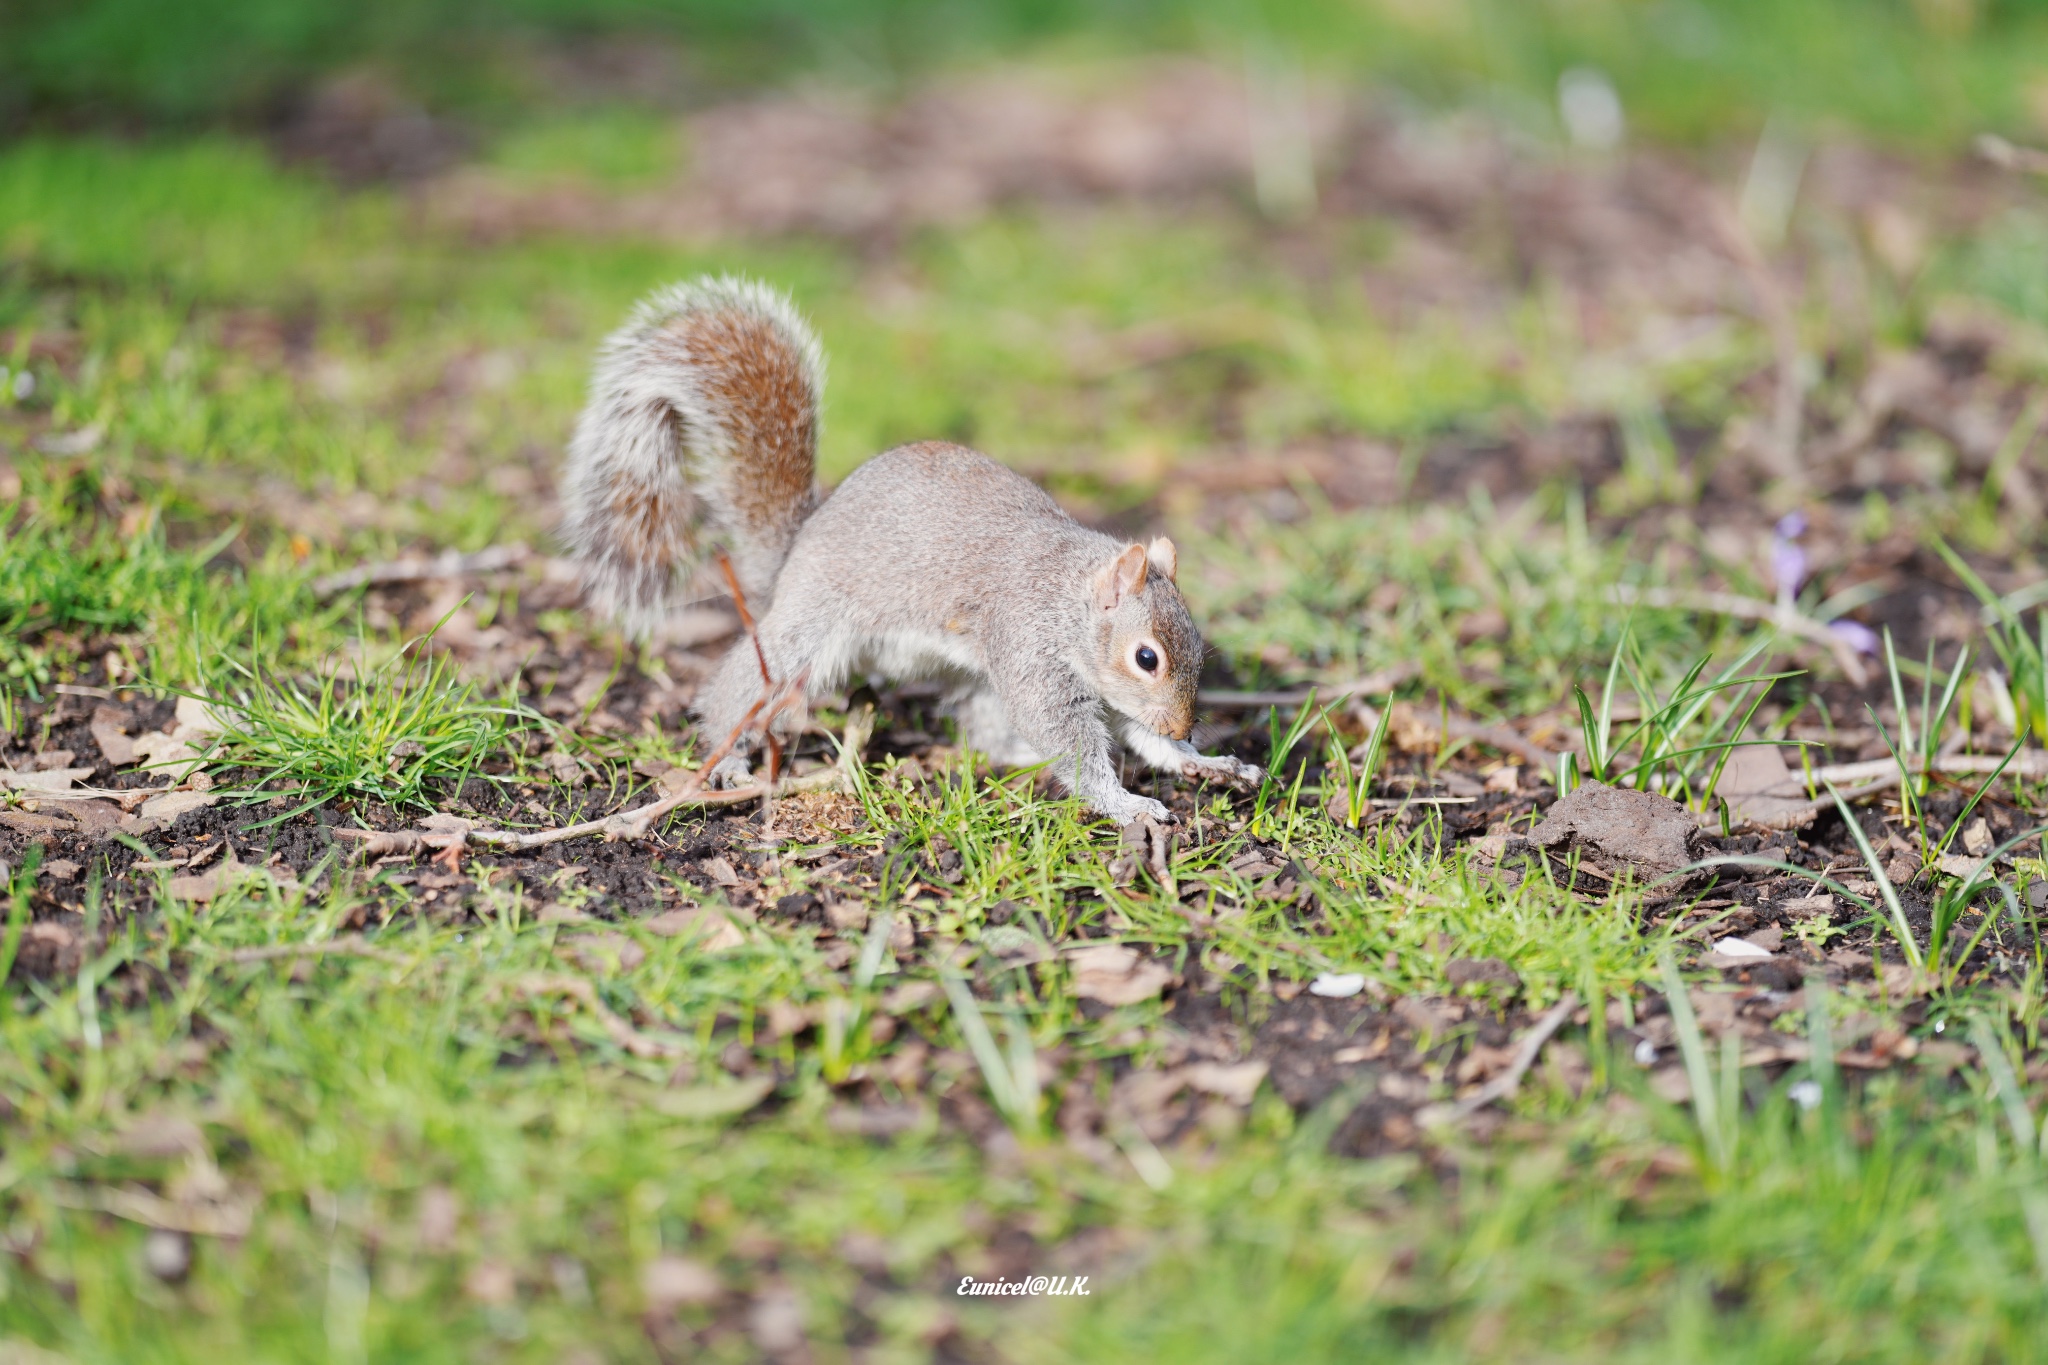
(1794, 816)
(1383, 681)
(1749, 609)
(643, 1045)
(1503, 739)
(446, 565)
(1505, 1084)
(1789, 407)
(631, 824)
(343, 945)
(225, 1218)
(2011, 156)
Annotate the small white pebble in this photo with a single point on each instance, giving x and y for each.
(1941, 1026)
(167, 1254)
(1805, 1094)
(1739, 947)
(24, 384)
(1338, 985)
(1646, 1053)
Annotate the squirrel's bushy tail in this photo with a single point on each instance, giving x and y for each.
(702, 427)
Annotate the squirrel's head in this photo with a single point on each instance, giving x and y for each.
(1148, 652)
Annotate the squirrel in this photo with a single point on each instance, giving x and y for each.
(931, 562)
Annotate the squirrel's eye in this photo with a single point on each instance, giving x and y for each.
(1147, 660)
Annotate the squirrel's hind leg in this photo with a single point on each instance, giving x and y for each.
(737, 685)
(985, 727)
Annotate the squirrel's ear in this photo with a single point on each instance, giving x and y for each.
(1164, 557)
(1120, 578)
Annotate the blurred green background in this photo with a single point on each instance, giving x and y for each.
(1923, 71)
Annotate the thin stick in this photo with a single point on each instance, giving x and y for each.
(344, 945)
(448, 565)
(632, 824)
(1505, 1084)
(1372, 684)
(1750, 609)
(1789, 407)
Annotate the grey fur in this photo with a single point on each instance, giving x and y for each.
(650, 425)
(930, 562)
(935, 562)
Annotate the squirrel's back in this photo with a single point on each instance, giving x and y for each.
(935, 531)
(701, 428)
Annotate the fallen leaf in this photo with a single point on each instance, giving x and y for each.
(491, 1282)
(846, 914)
(1236, 1082)
(602, 954)
(161, 1133)
(1977, 840)
(197, 719)
(670, 1282)
(173, 804)
(110, 731)
(1116, 975)
(720, 871)
(29, 823)
(162, 753)
(51, 780)
(715, 933)
(1807, 907)
(1461, 972)
(97, 818)
(714, 1101)
(1960, 867)
(1761, 789)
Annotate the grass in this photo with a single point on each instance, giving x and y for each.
(404, 733)
(1935, 72)
(445, 1145)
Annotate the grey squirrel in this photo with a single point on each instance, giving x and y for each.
(930, 562)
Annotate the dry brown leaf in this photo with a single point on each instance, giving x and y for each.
(715, 932)
(173, 804)
(1116, 975)
(670, 1282)
(1236, 1082)
(602, 954)
(110, 731)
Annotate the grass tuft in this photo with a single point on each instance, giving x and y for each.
(389, 734)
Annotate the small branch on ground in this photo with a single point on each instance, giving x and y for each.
(1749, 609)
(342, 945)
(1505, 1084)
(1371, 684)
(448, 565)
(647, 1046)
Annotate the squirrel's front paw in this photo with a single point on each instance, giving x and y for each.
(731, 774)
(1128, 806)
(1227, 770)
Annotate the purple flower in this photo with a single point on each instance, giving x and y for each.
(1856, 635)
(1788, 561)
